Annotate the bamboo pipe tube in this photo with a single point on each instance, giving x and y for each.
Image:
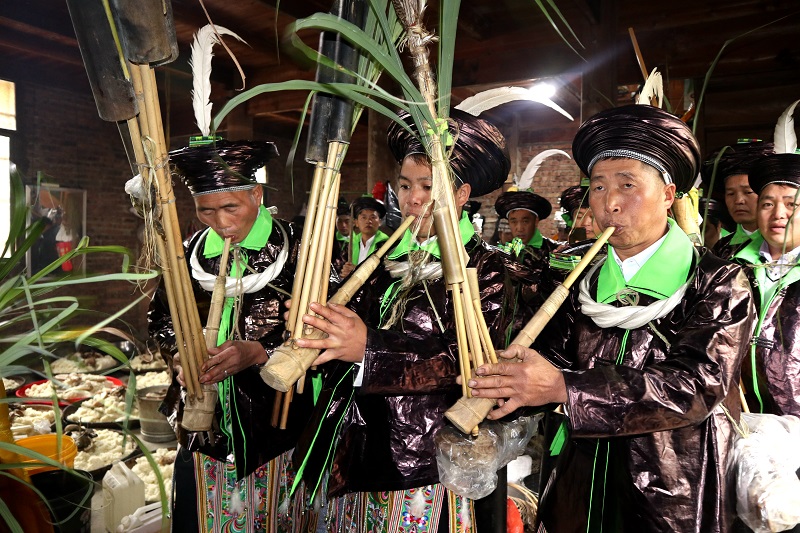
(192, 383)
(218, 298)
(277, 408)
(170, 214)
(461, 341)
(305, 242)
(288, 363)
(149, 125)
(191, 378)
(536, 324)
(472, 279)
(330, 236)
(287, 402)
(467, 413)
(199, 412)
(310, 286)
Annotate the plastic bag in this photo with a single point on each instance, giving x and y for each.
(764, 464)
(468, 465)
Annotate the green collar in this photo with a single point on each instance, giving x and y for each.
(750, 255)
(255, 240)
(740, 236)
(378, 239)
(659, 277)
(536, 240)
(341, 237)
(408, 243)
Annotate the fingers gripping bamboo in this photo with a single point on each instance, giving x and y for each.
(467, 413)
(313, 270)
(289, 362)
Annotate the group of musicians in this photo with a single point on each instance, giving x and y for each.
(646, 356)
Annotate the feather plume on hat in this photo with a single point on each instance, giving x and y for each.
(525, 181)
(485, 100)
(200, 61)
(785, 138)
(782, 167)
(653, 88)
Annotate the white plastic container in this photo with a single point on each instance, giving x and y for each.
(123, 493)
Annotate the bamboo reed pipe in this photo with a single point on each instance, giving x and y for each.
(467, 413)
(217, 298)
(548, 309)
(289, 362)
(287, 402)
(277, 408)
(311, 282)
(305, 244)
(138, 132)
(171, 216)
(461, 341)
(149, 127)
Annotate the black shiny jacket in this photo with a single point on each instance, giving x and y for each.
(260, 319)
(653, 424)
(385, 428)
(724, 249)
(777, 354)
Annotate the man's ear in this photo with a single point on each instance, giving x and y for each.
(462, 194)
(669, 194)
(258, 194)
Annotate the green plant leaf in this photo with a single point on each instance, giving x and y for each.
(448, 24)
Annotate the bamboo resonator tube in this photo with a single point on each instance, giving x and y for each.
(199, 411)
(467, 413)
(147, 135)
(289, 362)
(472, 335)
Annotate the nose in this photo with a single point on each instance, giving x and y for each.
(612, 203)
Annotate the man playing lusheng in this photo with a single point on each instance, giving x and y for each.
(731, 181)
(368, 213)
(241, 481)
(771, 375)
(383, 473)
(645, 356)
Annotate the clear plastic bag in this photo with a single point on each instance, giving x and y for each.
(764, 464)
(468, 465)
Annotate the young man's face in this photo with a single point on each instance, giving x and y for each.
(523, 224)
(368, 223)
(741, 201)
(583, 218)
(343, 224)
(229, 214)
(777, 205)
(414, 186)
(631, 196)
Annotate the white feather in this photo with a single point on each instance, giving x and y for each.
(526, 180)
(653, 88)
(417, 505)
(475, 105)
(785, 138)
(200, 61)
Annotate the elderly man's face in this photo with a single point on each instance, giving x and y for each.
(523, 224)
(741, 201)
(632, 197)
(229, 214)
